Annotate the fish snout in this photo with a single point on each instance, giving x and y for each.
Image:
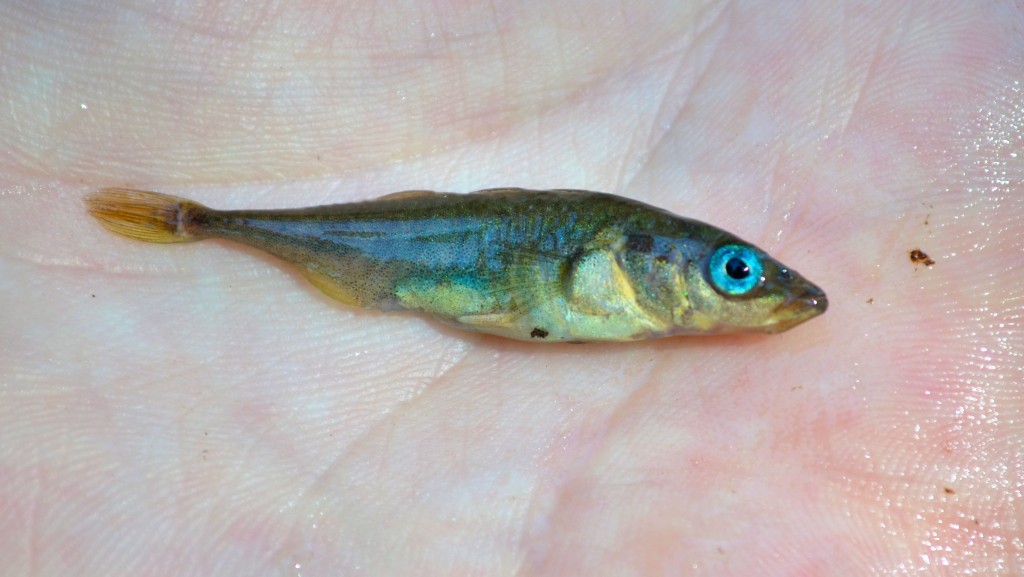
(803, 300)
(812, 298)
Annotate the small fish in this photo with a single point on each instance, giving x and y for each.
(551, 265)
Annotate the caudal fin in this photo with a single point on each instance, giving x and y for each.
(148, 216)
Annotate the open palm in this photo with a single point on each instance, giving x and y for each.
(198, 410)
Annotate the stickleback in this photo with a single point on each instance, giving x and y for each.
(552, 265)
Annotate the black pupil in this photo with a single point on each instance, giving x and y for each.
(737, 269)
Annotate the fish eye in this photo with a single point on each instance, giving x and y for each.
(735, 269)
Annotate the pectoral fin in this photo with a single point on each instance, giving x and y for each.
(599, 285)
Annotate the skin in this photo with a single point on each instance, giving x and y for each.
(246, 425)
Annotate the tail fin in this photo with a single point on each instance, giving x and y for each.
(148, 216)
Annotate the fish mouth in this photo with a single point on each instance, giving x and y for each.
(814, 299)
(803, 305)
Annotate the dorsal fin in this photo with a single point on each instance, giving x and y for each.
(408, 194)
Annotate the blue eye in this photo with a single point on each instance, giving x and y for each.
(735, 269)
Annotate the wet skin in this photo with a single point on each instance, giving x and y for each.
(197, 411)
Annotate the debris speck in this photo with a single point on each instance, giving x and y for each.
(918, 256)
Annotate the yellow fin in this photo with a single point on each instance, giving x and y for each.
(144, 215)
(603, 303)
(599, 286)
(491, 321)
(508, 325)
(331, 288)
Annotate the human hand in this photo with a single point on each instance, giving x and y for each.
(196, 410)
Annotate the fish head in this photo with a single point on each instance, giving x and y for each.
(732, 286)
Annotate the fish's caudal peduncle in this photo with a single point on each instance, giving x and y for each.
(553, 265)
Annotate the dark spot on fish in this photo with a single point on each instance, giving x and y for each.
(640, 243)
(870, 301)
(926, 217)
(538, 333)
(949, 491)
(93, 296)
(919, 256)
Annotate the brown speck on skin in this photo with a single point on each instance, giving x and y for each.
(949, 491)
(538, 333)
(926, 217)
(919, 256)
(870, 301)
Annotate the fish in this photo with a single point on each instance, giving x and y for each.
(532, 265)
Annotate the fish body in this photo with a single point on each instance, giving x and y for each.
(554, 265)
